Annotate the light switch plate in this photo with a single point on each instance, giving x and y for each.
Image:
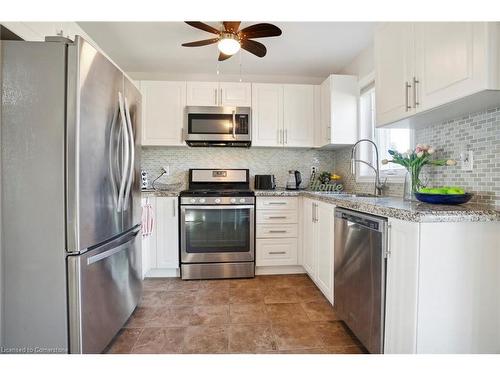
(467, 160)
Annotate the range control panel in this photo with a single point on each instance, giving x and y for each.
(217, 200)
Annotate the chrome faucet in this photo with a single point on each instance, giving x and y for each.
(379, 186)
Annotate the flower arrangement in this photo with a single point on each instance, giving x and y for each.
(414, 160)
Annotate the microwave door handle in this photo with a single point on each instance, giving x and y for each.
(112, 159)
(132, 156)
(125, 153)
(234, 124)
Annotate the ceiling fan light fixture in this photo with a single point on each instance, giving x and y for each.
(228, 44)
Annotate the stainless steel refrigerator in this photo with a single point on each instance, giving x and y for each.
(70, 197)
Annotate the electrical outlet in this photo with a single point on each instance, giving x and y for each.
(467, 160)
(166, 169)
(314, 169)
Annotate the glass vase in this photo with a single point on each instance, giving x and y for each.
(412, 183)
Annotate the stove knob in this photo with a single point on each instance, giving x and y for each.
(233, 200)
(217, 200)
(202, 200)
(193, 200)
(242, 200)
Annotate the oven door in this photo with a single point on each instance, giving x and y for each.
(218, 124)
(212, 234)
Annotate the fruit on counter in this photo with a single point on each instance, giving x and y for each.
(335, 177)
(445, 190)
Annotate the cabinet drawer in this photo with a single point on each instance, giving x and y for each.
(276, 230)
(274, 203)
(276, 252)
(276, 217)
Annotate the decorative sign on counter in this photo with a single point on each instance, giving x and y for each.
(326, 182)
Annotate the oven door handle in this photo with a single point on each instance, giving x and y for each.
(221, 207)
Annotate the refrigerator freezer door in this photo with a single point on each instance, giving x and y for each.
(104, 286)
(132, 203)
(94, 151)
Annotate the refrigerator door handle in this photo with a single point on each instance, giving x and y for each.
(125, 152)
(132, 155)
(112, 158)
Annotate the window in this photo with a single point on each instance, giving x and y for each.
(386, 139)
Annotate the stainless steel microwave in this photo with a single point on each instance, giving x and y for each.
(218, 126)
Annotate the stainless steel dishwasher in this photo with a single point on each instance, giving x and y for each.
(359, 272)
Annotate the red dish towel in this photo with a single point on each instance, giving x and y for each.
(147, 219)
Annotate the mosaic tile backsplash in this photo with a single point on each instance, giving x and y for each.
(275, 161)
(479, 132)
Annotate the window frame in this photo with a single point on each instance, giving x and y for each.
(395, 176)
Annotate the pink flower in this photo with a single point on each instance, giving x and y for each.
(418, 150)
(431, 150)
(385, 161)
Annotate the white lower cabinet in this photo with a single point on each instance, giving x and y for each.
(318, 241)
(277, 231)
(160, 249)
(442, 288)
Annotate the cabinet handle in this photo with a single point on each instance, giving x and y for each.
(277, 217)
(220, 101)
(173, 207)
(277, 231)
(415, 92)
(286, 136)
(234, 122)
(215, 96)
(277, 203)
(277, 252)
(312, 212)
(407, 94)
(387, 253)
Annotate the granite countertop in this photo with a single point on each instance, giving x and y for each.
(160, 193)
(395, 207)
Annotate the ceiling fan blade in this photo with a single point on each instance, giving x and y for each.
(200, 43)
(231, 26)
(223, 57)
(203, 26)
(254, 47)
(259, 30)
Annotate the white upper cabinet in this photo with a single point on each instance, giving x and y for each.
(394, 62)
(451, 61)
(233, 94)
(426, 65)
(298, 115)
(338, 122)
(163, 112)
(267, 114)
(202, 94)
(283, 115)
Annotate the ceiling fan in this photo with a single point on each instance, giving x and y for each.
(229, 40)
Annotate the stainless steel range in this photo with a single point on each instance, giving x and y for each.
(217, 225)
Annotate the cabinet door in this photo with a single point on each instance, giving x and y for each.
(267, 115)
(149, 242)
(202, 93)
(167, 228)
(325, 232)
(235, 94)
(308, 238)
(163, 113)
(394, 67)
(450, 60)
(401, 288)
(298, 115)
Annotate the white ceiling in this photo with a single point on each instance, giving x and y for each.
(314, 49)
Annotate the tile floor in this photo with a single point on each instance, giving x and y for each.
(267, 314)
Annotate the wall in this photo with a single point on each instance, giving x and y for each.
(479, 132)
(275, 161)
